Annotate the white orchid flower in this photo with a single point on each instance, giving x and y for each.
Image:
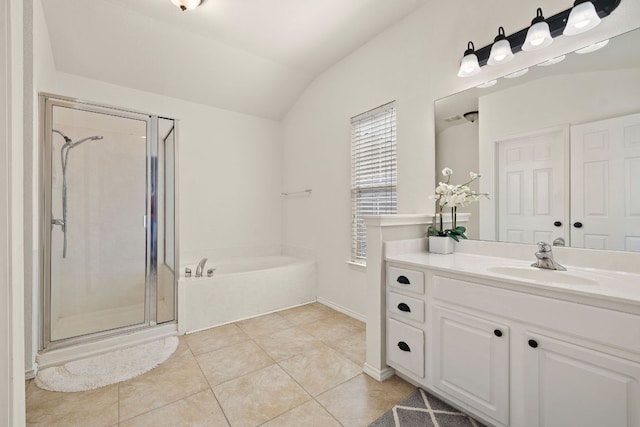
(447, 172)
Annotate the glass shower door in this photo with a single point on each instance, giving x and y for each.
(99, 246)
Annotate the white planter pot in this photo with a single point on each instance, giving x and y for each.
(441, 245)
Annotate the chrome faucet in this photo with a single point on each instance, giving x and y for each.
(200, 267)
(545, 258)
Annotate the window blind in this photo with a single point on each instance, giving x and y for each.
(373, 172)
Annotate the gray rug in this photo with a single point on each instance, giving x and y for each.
(422, 409)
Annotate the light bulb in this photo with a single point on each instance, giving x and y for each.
(501, 50)
(469, 65)
(538, 35)
(583, 17)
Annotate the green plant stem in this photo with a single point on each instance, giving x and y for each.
(453, 217)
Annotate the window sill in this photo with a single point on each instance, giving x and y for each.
(357, 265)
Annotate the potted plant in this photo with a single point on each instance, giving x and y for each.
(451, 196)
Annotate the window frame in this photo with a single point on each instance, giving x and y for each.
(373, 172)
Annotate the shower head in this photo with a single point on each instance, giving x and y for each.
(67, 140)
(89, 138)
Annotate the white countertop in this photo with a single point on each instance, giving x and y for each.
(604, 285)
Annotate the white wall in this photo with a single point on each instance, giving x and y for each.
(457, 148)
(545, 103)
(414, 62)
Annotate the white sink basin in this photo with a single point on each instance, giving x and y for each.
(542, 275)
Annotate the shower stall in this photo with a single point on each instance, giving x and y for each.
(108, 222)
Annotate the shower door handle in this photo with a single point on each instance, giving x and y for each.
(144, 221)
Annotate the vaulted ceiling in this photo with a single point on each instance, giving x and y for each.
(250, 56)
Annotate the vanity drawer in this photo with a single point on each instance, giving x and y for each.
(403, 278)
(405, 347)
(405, 307)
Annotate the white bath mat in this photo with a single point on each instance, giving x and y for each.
(109, 368)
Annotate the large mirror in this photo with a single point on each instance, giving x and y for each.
(558, 149)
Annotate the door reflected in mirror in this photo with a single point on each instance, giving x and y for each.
(558, 149)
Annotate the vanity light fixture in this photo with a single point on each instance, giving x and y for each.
(469, 65)
(593, 47)
(583, 17)
(501, 50)
(538, 35)
(552, 61)
(185, 5)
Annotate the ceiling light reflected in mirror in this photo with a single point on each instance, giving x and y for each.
(487, 84)
(593, 47)
(185, 5)
(552, 61)
(518, 73)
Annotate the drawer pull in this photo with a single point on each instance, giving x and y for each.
(533, 343)
(403, 280)
(404, 346)
(404, 307)
(497, 332)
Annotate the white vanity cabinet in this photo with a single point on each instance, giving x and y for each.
(471, 360)
(514, 357)
(570, 385)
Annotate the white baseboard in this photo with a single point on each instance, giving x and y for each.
(29, 375)
(342, 309)
(378, 374)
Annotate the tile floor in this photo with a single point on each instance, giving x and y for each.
(298, 367)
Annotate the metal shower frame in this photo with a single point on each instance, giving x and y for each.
(46, 103)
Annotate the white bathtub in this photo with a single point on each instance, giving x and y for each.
(242, 288)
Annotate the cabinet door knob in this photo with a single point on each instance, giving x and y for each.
(533, 343)
(577, 224)
(558, 223)
(403, 280)
(404, 346)
(497, 332)
(404, 307)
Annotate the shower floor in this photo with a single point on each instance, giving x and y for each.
(104, 320)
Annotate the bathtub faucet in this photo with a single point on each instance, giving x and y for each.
(200, 267)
